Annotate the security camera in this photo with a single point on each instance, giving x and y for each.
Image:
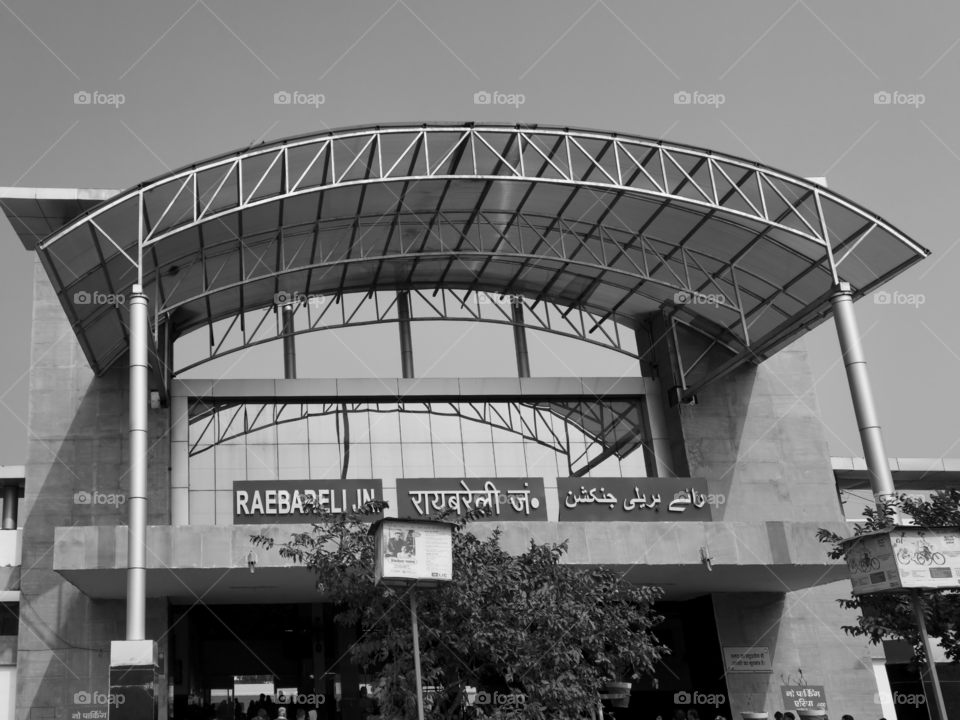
(251, 561)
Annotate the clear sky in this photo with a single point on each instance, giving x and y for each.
(799, 80)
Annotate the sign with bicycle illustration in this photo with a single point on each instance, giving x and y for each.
(901, 558)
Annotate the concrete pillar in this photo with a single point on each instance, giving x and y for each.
(881, 481)
(406, 339)
(10, 499)
(289, 343)
(179, 461)
(137, 495)
(658, 438)
(520, 341)
(135, 675)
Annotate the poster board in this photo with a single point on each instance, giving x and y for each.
(409, 552)
(903, 558)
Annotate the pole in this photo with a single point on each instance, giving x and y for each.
(289, 344)
(10, 494)
(416, 651)
(520, 340)
(881, 481)
(406, 340)
(868, 422)
(137, 499)
(928, 650)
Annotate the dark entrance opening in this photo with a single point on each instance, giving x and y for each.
(692, 676)
(227, 655)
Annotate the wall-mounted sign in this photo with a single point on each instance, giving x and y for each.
(256, 502)
(507, 498)
(803, 697)
(635, 499)
(901, 558)
(411, 552)
(754, 659)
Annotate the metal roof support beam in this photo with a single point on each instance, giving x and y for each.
(406, 337)
(520, 339)
(289, 344)
(881, 481)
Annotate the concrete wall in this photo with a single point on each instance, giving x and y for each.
(803, 631)
(757, 436)
(76, 442)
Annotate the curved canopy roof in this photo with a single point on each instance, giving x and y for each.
(615, 226)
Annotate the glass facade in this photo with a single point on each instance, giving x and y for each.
(384, 442)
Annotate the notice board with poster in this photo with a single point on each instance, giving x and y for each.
(903, 558)
(413, 553)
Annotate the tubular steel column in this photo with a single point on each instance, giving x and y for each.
(137, 499)
(520, 340)
(881, 481)
(289, 343)
(10, 496)
(406, 340)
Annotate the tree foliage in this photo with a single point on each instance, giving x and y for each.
(891, 616)
(526, 625)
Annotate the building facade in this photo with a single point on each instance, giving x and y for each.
(704, 471)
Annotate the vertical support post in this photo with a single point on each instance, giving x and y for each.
(658, 450)
(875, 454)
(179, 461)
(928, 649)
(289, 343)
(881, 481)
(10, 498)
(416, 651)
(520, 339)
(406, 339)
(137, 498)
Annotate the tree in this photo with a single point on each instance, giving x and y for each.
(891, 616)
(547, 633)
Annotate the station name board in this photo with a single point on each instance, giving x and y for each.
(507, 498)
(258, 502)
(635, 499)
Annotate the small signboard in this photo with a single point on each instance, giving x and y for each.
(634, 499)
(413, 552)
(902, 558)
(755, 659)
(803, 697)
(257, 502)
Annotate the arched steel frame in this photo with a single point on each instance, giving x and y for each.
(607, 226)
(611, 426)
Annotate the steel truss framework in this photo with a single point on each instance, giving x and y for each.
(356, 309)
(607, 225)
(608, 427)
